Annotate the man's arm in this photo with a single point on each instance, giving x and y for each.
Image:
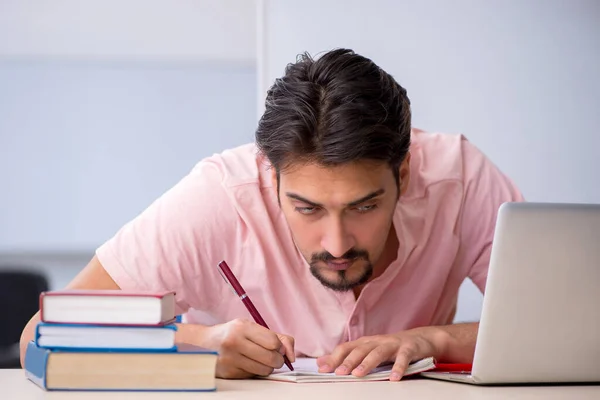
(455, 343)
(92, 277)
(245, 348)
(449, 343)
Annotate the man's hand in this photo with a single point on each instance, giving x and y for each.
(453, 343)
(246, 349)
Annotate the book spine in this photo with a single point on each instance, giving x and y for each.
(36, 337)
(36, 361)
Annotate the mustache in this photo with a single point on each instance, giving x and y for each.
(351, 254)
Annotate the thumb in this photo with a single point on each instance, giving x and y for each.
(287, 347)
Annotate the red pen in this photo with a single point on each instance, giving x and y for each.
(232, 281)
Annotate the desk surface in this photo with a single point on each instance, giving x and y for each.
(14, 385)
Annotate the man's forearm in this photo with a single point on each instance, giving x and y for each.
(195, 334)
(453, 343)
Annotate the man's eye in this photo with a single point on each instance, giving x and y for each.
(306, 210)
(364, 209)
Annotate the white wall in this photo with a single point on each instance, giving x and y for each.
(221, 31)
(86, 146)
(519, 78)
(106, 104)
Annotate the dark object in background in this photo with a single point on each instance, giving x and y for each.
(19, 300)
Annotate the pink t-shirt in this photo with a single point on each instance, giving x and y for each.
(225, 208)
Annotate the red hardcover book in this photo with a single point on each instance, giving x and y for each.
(107, 307)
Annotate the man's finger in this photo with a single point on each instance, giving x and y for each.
(403, 358)
(330, 362)
(263, 337)
(288, 346)
(254, 351)
(355, 358)
(252, 366)
(378, 355)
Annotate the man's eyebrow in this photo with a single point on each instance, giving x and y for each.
(302, 199)
(367, 197)
(351, 204)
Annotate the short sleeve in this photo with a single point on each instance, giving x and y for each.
(485, 189)
(176, 243)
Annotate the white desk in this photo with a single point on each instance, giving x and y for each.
(14, 385)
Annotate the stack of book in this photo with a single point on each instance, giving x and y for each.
(114, 340)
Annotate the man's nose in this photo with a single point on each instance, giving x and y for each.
(337, 240)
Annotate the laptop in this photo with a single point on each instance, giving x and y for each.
(540, 321)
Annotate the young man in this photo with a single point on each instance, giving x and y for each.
(350, 231)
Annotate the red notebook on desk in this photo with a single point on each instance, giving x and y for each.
(453, 368)
(107, 307)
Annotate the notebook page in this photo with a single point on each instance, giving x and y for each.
(301, 365)
(306, 370)
(308, 366)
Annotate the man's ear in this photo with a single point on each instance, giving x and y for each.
(404, 174)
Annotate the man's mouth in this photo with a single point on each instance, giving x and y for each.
(339, 265)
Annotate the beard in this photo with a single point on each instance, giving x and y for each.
(344, 281)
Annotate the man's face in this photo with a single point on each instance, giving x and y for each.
(340, 217)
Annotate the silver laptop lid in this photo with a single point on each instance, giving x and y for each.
(541, 310)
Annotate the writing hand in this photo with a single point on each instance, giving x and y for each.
(247, 349)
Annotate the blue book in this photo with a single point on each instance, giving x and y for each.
(189, 368)
(103, 337)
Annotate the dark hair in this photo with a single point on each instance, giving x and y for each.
(334, 110)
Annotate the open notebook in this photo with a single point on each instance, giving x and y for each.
(306, 371)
